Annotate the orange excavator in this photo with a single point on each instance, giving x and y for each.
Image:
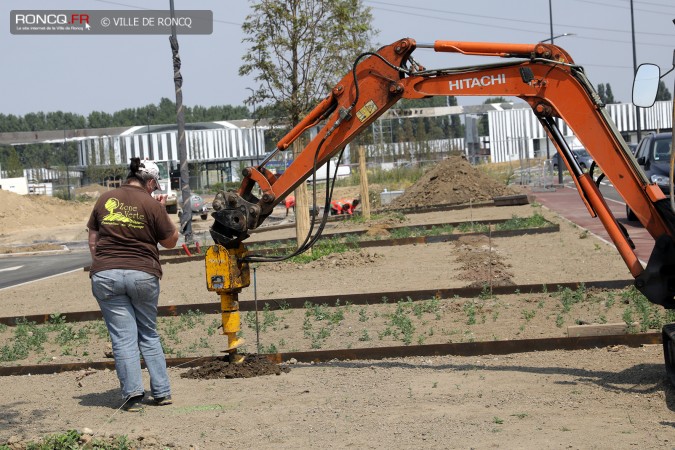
(543, 75)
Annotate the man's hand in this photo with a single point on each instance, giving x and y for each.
(161, 198)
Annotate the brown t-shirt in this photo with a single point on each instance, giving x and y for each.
(130, 223)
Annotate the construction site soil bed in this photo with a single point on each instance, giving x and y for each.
(581, 399)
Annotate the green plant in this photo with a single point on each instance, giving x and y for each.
(322, 248)
(27, 337)
(529, 315)
(404, 324)
(364, 336)
(269, 318)
(485, 293)
(470, 311)
(519, 223)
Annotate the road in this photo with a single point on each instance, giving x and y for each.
(16, 270)
(566, 202)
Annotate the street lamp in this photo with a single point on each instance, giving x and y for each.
(255, 127)
(637, 109)
(556, 37)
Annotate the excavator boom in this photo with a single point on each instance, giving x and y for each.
(543, 75)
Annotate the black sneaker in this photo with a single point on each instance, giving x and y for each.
(162, 401)
(133, 404)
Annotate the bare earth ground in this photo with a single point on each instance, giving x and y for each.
(604, 398)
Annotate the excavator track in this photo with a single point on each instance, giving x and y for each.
(668, 339)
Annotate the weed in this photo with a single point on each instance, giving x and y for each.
(485, 293)
(190, 319)
(519, 223)
(529, 315)
(428, 306)
(307, 327)
(470, 311)
(568, 297)
(628, 319)
(363, 315)
(401, 321)
(271, 349)
(322, 248)
(27, 337)
(211, 330)
(497, 420)
(364, 336)
(610, 300)
(269, 318)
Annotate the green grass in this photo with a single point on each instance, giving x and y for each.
(70, 440)
(519, 223)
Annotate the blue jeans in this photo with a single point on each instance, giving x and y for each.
(128, 301)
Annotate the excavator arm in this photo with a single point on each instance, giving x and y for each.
(542, 75)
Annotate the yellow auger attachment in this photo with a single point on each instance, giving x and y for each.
(227, 274)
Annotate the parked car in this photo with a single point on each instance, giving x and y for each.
(632, 148)
(171, 197)
(581, 155)
(653, 156)
(198, 205)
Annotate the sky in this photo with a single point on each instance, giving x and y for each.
(107, 73)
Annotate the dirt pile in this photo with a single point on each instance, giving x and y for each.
(38, 211)
(252, 366)
(481, 264)
(451, 181)
(91, 191)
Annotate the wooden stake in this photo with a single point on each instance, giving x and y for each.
(363, 172)
(301, 204)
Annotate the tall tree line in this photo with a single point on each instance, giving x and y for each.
(163, 113)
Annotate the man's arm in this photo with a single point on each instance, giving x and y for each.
(93, 238)
(171, 241)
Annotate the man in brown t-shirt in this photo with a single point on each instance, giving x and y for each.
(125, 227)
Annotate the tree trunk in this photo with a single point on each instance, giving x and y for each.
(363, 172)
(301, 203)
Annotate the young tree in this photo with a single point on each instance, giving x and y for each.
(483, 124)
(608, 93)
(662, 92)
(605, 93)
(11, 164)
(298, 50)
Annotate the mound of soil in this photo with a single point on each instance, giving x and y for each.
(451, 181)
(252, 366)
(39, 211)
(92, 191)
(481, 264)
